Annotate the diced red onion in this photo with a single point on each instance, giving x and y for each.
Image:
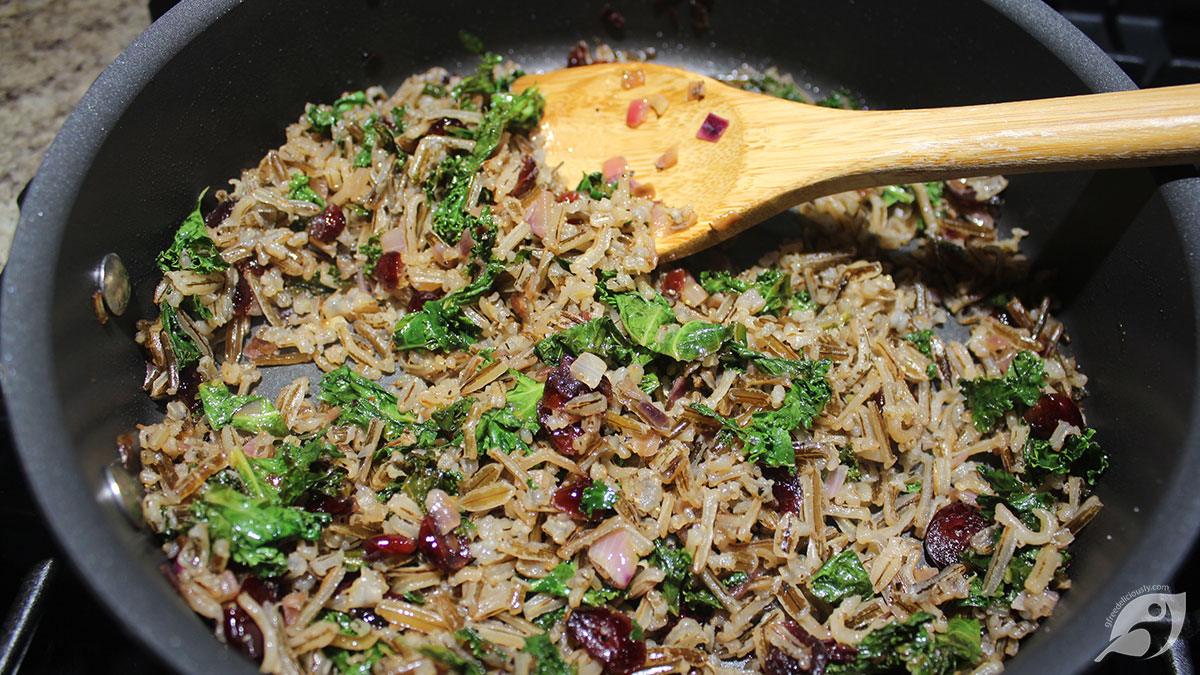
(639, 111)
(615, 167)
(712, 128)
(633, 78)
(695, 90)
(395, 239)
(440, 507)
(658, 218)
(465, 242)
(613, 555)
(589, 369)
(538, 213)
(835, 481)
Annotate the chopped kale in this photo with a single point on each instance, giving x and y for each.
(472, 641)
(1011, 585)
(651, 324)
(893, 194)
(246, 413)
(555, 583)
(185, 348)
(549, 661)
(598, 497)
(300, 191)
(1080, 456)
(595, 186)
(192, 249)
(434, 90)
(347, 624)
(912, 487)
(839, 98)
(350, 662)
(362, 401)
(773, 86)
(735, 579)
(599, 336)
(595, 597)
(922, 339)
(848, 459)
(841, 577)
(372, 250)
(909, 645)
(680, 587)
(649, 384)
(772, 285)
(484, 80)
(454, 662)
(498, 428)
(990, 398)
(1019, 497)
(422, 476)
(414, 597)
(767, 438)
(441, 324)
(256, 528)
(546, 621)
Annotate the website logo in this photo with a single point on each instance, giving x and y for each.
(1140, 612)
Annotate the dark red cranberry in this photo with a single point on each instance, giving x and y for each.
(569, 497)
(1043, 417)
(568, 196)
(779, 662)
(370, 617)
(788, 493)
(189, 385)
(838, 652)
(607, 636)
(438, 128)
(388, 270)
(334, 506)
(419, 298)
(950, 531)
(243, 295)
(578, 56)
(389, 544)
(675, 280)
(327, 225)
(527, 177)
(447, 552)
(262, 590)
(219, 214)
(241, 632)
(561, 387)
(612, 18)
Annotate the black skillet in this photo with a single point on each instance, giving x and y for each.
(208, 89)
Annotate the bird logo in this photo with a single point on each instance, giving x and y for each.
(1129, 638)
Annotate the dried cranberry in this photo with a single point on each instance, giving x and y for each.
(327, 225)
(612, 18)
(241, 632)
(578, 56)
(569, 497)
(788, 493)
(838, 652)
(219, 214)
(447, 551)
(779, 662)
(675, 280)
(243, 294)
(438, 128)
(568, 196)
(607, 636)
(189, 385)
(527, 177)
(950, 531)
(418, 300)
(370, 617)
(262, 590)
(1050, 409)
(388, 544)
(388, 270)
(334, 506)
(561, 387)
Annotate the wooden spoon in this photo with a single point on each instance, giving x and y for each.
(777, 153)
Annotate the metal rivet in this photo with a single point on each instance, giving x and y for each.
(124, 491)
(114, 284)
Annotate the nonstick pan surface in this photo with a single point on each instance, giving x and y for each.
(208, 90)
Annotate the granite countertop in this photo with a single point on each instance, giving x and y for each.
(50, 53)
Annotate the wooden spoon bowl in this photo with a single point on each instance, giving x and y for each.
(777, 153)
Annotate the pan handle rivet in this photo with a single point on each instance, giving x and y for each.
(114, 284)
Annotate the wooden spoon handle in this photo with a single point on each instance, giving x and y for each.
(1151, 126)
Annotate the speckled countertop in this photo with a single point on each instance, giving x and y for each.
(50, 52)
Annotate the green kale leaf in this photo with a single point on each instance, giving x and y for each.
(651, 324)
(841, 577)
(681, 588)
(594, 185)
(192, 249)
(908, 645)
(596, 597)
(773, 86)
(300, 191)
(255, 527)
(349, 662)
(246, 413)
(989, 398)
(546, 621)
(893, 194)
(422, 476)
(839, 98)
(1019, 497)
(372, 250)
(549, 661)
(772, 285)
(472, 641)
(441, 324)
(362, 401)
(599, 336)
(185, 348)
(1080, 456)
(498, 428)
(555, 583)
(597, 497)
(767, 438)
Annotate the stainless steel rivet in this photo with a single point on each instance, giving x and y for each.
(124, 491)
(114, 284)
